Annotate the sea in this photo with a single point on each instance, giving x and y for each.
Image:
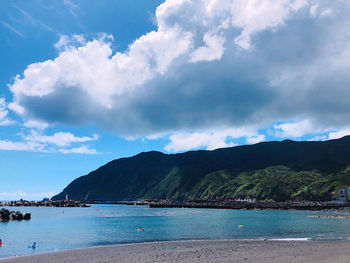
(56, 229)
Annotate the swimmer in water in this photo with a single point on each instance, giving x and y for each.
(34, 246)
(0, 242)
(140, 229)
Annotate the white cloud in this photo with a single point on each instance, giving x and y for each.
(255, 15)
(36, 124)
(313, 10)
(256, 139)
(4, 120)
(209, 64)
(319, 138)
(82, 149)
(212, 50)
(294, 129)
(61, 139)
(210, 140)
(22, 146)
(11, 196)
(66, 42)
(16, 108)
(338, 134)
(188, 141)
(59, 142)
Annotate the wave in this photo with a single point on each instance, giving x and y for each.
(291, 239)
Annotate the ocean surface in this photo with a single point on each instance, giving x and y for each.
(67, 228)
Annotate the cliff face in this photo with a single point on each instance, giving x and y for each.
(270, 170)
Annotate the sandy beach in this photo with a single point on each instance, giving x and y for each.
(201, 251)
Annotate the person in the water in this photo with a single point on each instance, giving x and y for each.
(34, 246)
(0, 242)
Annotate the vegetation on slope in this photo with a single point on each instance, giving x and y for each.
(278, 183)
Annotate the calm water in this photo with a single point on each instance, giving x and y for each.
(66, 228)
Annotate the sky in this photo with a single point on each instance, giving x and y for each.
(86, 82)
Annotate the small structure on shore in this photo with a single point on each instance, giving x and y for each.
(343, 195)
(6, 215)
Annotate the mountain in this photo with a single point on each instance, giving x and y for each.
(285, 170)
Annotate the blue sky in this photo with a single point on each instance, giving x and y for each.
(85, 82)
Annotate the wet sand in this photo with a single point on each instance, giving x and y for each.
(201, 251)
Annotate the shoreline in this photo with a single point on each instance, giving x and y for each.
(233, 204)
(201, 251)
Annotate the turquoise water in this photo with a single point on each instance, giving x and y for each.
(66, 228)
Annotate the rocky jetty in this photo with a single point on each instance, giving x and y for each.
(234, 204)
(6, 215)
(49, 203)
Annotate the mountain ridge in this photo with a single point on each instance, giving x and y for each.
(156, 175)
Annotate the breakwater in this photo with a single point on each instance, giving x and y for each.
(62, 203)
(99, 202)
(303, 205)
(6, 215)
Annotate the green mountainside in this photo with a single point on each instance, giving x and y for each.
(286, 170)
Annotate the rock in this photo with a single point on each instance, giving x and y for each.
(6, 215)
(27, 216)
(19, 215)
(13, 215)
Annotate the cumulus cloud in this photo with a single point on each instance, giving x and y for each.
(209, 64)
